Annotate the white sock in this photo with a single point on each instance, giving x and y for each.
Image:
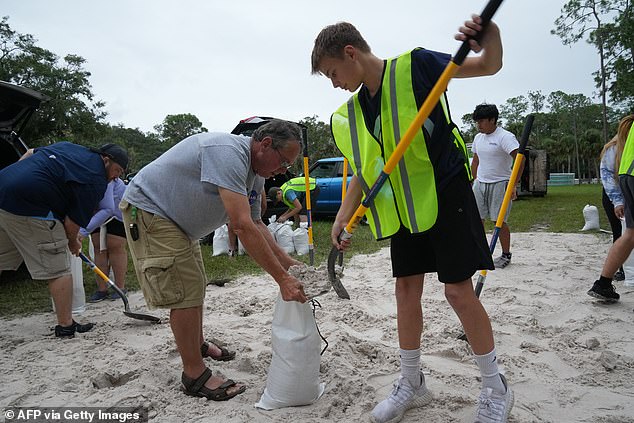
(410, 366)
(488, 366)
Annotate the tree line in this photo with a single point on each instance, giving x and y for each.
(572, 128)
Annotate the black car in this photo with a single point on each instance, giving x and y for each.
(17, 105)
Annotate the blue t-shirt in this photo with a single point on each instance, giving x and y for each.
(427, 66)
(59, 180)
(291, 195)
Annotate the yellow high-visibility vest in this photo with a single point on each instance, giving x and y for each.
(408, 198)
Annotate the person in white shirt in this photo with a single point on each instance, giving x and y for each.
(494, 150)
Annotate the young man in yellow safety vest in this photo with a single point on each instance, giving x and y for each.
(293, 194)
(427, 207)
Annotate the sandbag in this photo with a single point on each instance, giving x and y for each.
(293, 376)
(300, 239)
(591, 217)
(241, 250)
(79, 295)
(283, 234)
(221, 241)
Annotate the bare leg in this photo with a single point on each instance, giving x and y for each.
(505, 238)
(117, 258)
(472, 315)
(187, 330)
(619, 252)
(213, 349)
(409, 312)
(61, 290)
(101, 260)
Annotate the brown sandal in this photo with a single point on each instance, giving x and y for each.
(197, 388)
(225, 354)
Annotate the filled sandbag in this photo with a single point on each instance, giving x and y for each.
(591, 217)
(221, 241)
(300, 239)
(284, 236)
(293, 376)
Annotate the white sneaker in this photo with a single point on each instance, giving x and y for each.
(403, 397)
(494, 407)
(502, 261)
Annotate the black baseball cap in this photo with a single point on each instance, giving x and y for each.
(116, 153)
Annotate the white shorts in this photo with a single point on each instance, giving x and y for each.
(489, 198)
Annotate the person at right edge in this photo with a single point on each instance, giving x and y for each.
(603, 288)
(427, 207)
(611, 195)
(494, 150)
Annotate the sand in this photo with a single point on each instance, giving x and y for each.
(568, 357)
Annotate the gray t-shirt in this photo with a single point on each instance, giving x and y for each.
(182, 184)
(255, 198)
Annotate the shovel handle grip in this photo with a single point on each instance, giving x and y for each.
(486, 15)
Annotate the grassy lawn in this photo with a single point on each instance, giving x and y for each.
(561, 210)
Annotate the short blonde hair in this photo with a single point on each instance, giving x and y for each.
(331, 41)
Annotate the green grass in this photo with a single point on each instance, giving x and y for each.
(223, 267)
(561, 210)
(20, 295)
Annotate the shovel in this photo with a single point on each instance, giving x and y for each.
(118, 290)
(425, 110)
(519, 158)
(311, 248)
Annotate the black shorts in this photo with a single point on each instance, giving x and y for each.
(114, 227)
(455, 247)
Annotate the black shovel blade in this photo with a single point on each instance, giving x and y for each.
(118, 290)
(126, 305)
(332, 275)
(140, 316)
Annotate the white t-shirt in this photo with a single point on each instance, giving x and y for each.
(494, 152)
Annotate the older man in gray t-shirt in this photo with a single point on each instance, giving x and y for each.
(188, 192)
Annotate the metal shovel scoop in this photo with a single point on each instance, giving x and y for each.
(334, 257)
(118, 290)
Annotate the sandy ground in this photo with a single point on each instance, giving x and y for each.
(568, 357)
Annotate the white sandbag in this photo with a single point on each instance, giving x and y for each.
(79, 295)
(300, 240)
(293, 377)
(273, 225)
(284, 237)
(591, 216)
(221, 241)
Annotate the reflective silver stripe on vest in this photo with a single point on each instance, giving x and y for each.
(631, 168)
(356, 153)
(407, 189)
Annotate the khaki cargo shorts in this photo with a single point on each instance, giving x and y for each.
(168, 265)
(42, 244)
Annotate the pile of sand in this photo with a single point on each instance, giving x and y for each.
(568, 357)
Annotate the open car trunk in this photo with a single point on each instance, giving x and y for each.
(17, 105)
